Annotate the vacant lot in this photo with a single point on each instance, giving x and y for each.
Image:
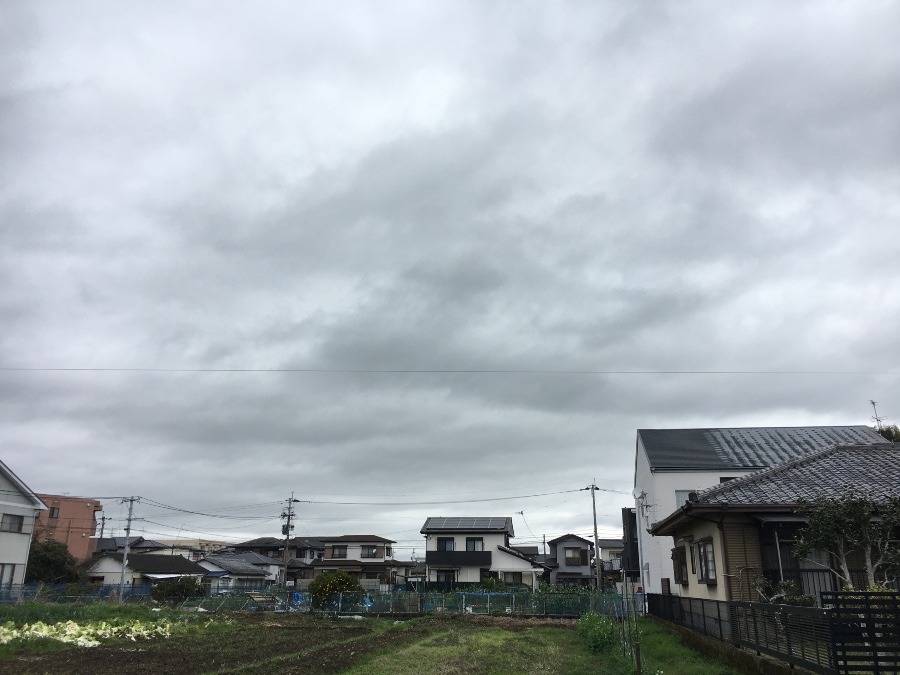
(266, 643)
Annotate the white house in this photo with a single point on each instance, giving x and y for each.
(19, 507)
(670, 464)
(367, 557)
(470, 550)
(142, 568)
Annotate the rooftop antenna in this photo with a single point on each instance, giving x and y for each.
(878, 425)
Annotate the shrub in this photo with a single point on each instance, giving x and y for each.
(332, 582)
(174, 590)
(599, 632)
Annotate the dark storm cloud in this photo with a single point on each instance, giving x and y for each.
(556, 188)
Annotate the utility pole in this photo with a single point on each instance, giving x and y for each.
(593, 488)
(286, 529)
(131, 501)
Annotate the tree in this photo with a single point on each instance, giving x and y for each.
(173, 590)
(890, 432)
(332, 582)
(852, 524)
(51, 563)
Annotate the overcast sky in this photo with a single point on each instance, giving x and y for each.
(497, 207)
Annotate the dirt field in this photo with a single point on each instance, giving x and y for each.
(262, 643)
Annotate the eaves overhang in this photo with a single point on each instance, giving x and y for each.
(697, 510)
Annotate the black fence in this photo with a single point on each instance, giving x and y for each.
(709, 617)
(865, 631)
(796, 635)
(854, 632)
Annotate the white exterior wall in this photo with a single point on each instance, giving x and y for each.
(659, 502)
(500, 560)
(15, 546)
(111, 571)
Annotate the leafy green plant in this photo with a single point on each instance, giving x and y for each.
(599, 632)
(174, 590)
(329, 583)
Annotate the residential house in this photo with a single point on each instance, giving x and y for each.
(19, 508)
(70, 521)
(230, 572)
(672, 463)
(136, 544)
(142, 569)
(193, 549)
(611, 551)
(570, 561)
(367, 557)
(727, 536)
(470, 550)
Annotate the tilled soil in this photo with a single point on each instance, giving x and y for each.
(259, 643)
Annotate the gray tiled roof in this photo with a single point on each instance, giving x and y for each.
(467, 524)
(235, 565)
(151, 563)
(870, 469)
(743, 448)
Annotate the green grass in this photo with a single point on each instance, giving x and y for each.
(662, 651)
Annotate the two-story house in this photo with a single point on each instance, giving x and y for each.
(570, 561)
(470, 550)
(19, 507)
(367, 557)
(670, 464)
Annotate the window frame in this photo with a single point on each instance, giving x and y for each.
(474, 543)
(706, 562)
(11, 522)
(576, 558)
(679, 565)
(54, 513)
(339, 551)
(368, 551)
(444, 542)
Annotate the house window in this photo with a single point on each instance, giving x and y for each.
(371, 575)
(54, 512)
(679, 565)
(576, 557)
(445, 544)
(11, 523)
(681, 496)
(369, 552)
(474, 544)
(388, 551)
(706, 562)
(338, 551)
(512, 577)
(6, 574)
(446, 576)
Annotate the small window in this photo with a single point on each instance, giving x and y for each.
(338, 551)
(54, 512)
(474, 544)
(369, 551)
(706, 562)
(576, 557)
(388, 551)
(446, 576)
(445, 544)
(11, 523)
(681, 496)
(679, 565)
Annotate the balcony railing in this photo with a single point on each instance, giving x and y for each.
(458, 558)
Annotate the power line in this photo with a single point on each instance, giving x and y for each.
(440, 371)
(441, 501)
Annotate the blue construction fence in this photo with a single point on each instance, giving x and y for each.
(516, 603)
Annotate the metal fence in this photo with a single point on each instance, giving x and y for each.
(797, 635)
(865, 631)
(854, 632)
